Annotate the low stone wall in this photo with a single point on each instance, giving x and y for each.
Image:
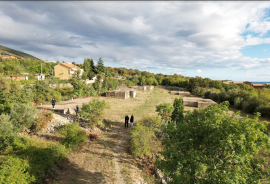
(182, 93)
(197, 102)
(132, 94)
(205, 104)
(172, 88)
(143, 88)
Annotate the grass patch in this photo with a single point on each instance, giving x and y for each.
(26, 160)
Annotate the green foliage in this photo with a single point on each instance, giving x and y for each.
(142, 80)
(210, 146)
(15, 170)
(74, 136)
(6, 127)
(165, 111)
(93, 112)
(22, 116)
(11, 93)
(35, 158)
(80, 87)
(178, 112)
(148, 143)
(100, 66)
(10, 51)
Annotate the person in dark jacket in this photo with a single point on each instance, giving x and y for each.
(53, 103)
(131, 120)
(126, 121)
(77, 110)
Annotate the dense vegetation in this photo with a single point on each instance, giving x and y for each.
(207, 146)
(13, 52)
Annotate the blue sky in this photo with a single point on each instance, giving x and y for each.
(218, 40)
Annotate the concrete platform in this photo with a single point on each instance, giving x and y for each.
(68, 106)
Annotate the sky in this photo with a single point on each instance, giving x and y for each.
(217, 39)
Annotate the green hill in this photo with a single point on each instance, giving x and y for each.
(12, 52)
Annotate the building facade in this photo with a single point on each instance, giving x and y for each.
(66, 70)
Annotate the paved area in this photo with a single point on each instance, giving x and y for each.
(69, 104)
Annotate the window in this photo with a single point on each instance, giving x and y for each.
(61, 69)
(61, 75)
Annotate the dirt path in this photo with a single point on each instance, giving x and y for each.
(108, 159)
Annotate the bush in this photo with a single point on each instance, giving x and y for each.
(6, 127)
(149, 127)
(74, 136)
(211, 146)
(15, 170)
(22, 116)
(93, 112)
(238, 102)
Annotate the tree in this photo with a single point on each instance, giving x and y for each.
(142, 80)
(178, 112)
(100, 66)
(93, 112)
(87, 65)
(211, 146)
(165, 111)
(147, 144)
(93, 68)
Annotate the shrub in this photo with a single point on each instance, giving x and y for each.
(42, 119)
(93, 112)
(149, 127)
(22, 116)
(15, 170)
(211, 146)
(74, 136)
(6, 127)
(238, 102)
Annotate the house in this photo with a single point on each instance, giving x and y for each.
(258, 86)
(66, 70)
(40, 77)
(18, 78)
(232, 82)
(248, 83)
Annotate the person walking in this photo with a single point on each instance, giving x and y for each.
(77, 110)
(53, 103)
(131, 120)
(126, 121)
(82, 105)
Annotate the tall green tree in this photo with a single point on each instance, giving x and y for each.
(178, 112)
(211, 146)
(87, 65)
(100, 66)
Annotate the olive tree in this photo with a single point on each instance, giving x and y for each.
(211, 146)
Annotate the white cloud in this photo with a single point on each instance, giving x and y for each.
(174, 36)
(199, 71)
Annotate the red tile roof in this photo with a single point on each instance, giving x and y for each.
(70, 65)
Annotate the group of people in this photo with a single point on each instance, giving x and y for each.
(127, 119)
(78, 110)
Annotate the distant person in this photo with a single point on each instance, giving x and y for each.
(77, 110)
(131, 120)
(82, 105)
(126, 121)
(53, 103)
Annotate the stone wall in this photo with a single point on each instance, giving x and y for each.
(172, 88)
(197, 102)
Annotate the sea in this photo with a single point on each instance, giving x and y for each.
(260, 82)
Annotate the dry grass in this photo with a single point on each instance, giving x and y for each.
(96, 162)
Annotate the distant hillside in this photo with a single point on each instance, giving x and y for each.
(6, 50)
